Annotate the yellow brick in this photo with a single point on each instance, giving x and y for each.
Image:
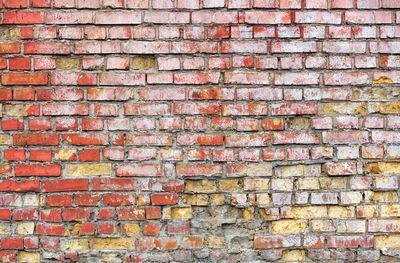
(257, 170)
(280, 184)
(307, 183)
(143, 63)
(344, 108)
(333, 183)
(266, 214)
(306, 212)
(382, 80)
(131, 229)
(367, 211)
(299, 170)
(368, 154)
(239, 199)
(256, 184)
(110, 257)
(296, 123)
(5, 228)
(383, 167)
(295, 255)
(195, 199)
(381, 197)
(113, 243)
(167, 213)
(18, 110)
(392, 107)
(341, 211)
(375, 93)
(217, 199)
(387, 241)
(201, 186)
(382, 180)
(28, 257)
(88, 169)
(143, 199)
(215, 242)
(68, 63)
(248, 213)
(322, 226)
(263, 199)
(390, 210)
(230, 184)
(75, 244)
(65, 154)
(15, 33)
(182, 212)
(5, 33)
(4, 139)
(351, 226)
(288, 226)
(76, 229)
(25, 228)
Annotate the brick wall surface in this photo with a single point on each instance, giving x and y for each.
(199, 130)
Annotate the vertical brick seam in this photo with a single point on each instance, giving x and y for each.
(199, 130)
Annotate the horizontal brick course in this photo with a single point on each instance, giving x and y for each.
(199, 130)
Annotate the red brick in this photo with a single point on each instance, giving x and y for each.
(20, 17)
(12, 124)
(50, 229)
(295, 138)
(36, 139)
(196, 108)
(87, 199)
(345, 137)
(195, 47)
(86, 139)
(147, 109)
(65, 185)
(113, 184)
(40, 3)
(138, 170)
(251, 140)
(368, 17)
(350, 241)
(294, 108)
(199, 169)
(14, 155)
(244, 109)
(149, 139)
(131, 213)
(24, 79)
(37, 170)
(5, 214)
(196, 78)
(78, 214)
(12, 243)
(164, 199)
(199, 139)
(62, 17)
(276, 241)
(163, 243)
(50, 215)
(25, 214)
(272, 124)
(318, 17)
(14, 186)
(59, 200)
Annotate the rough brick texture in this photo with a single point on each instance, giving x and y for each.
(199, 130)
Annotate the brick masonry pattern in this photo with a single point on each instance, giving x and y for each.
(199, 130)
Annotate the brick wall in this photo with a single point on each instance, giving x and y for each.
(199, 130)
